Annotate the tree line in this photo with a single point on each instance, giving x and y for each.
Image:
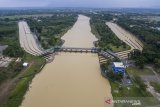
(107, 39)
(150, 37)
(50, 29)
(9, 36)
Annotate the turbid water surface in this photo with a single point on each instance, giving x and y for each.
(72, 79)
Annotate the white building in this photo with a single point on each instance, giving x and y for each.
(25, 64)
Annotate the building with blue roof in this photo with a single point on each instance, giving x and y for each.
(118, 67)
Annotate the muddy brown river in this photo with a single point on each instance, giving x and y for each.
(72, 79)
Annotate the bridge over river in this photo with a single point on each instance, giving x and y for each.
(74, 49)
(107, 54)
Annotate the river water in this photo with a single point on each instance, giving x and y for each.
(72, 79)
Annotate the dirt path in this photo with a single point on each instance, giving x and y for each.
(7, 86)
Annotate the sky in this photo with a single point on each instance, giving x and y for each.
(82, 3)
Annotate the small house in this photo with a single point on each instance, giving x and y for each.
(25, 64)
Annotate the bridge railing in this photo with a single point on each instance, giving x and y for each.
(106, 54)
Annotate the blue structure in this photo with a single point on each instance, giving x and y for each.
(118, 67)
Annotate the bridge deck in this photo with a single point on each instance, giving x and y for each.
(107, 54)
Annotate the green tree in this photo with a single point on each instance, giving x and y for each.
(140, 61)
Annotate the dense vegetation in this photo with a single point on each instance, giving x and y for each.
(150, 37)
(107, 39)
(9, 36)
(50, 29)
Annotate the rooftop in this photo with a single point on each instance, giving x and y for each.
(25, 64)
(118, 64)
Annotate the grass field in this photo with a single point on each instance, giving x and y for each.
(128, 91)
(120, 48)
(138, 72)
(156, 86)
(135, 90)
(132, 92)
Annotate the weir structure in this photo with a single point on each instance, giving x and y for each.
(106, 54)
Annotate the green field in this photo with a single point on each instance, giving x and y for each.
(118, 48)
(132, 92)
(137, 90)
(156, 86)
(137, 71)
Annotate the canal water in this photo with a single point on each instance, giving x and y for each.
(72, 79)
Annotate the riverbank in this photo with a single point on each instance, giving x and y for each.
(19, 85)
